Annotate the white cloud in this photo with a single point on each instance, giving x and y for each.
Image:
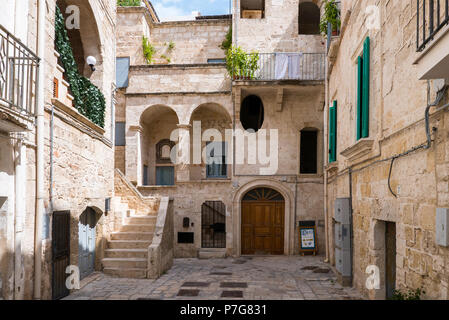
(173, 13)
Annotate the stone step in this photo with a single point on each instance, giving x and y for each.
(125, 263)
(129, 244)
(137, 228)
(141, 220)
(212, 253)
(131, 273)
(132, 236)
(126, 253)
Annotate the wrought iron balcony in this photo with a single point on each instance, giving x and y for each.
(19, 68)
(432, 16)
(281, 66)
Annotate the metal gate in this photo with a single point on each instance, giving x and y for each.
(87, 234)
(60, 253)
(213, 224)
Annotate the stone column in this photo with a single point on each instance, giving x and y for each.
(183, 156)
(134, 155)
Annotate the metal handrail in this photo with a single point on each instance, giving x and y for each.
(284, 66)
(431, 17)
(19, 67)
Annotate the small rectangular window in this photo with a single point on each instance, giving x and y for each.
(212, 61)
(252, 9)
(309, 152)
(120, 139)
(122, 72)
(145, 175)
(165, 176)
(216, 164)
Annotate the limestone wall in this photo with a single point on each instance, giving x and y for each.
(277, 32)
(420, 180)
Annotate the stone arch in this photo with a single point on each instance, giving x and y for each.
(87, 41)
(155, 111)
(309, 16)
(289, 198)
(211, 106)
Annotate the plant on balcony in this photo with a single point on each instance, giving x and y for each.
(128, 3)
(148, 50)
(89, 100)
(240, 64)
(331, 15)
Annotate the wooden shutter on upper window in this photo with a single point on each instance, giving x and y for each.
(366, 88)
(359, 96)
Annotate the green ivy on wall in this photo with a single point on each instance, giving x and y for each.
(128, 3)
(89, 100)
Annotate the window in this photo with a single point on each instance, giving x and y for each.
(252, 9)
(333, 132)
(120, 139)
(212, 61)
(309, 18)
(363, 88)
(309, 152)
(216, 164)
(252, 113)
(122, 72)
(165, 176)
(163, 151)
(145, 175)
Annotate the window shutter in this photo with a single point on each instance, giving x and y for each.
(359, 97)
(333, 133)
(366, 86)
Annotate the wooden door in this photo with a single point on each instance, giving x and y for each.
(60, 253)
(263, 226)
(87, 237)
(390, 258)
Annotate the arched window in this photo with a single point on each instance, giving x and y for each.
(309, 18)
(309, 151)
(252, 113)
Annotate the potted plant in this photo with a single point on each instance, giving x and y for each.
(241, 65)
(331, 16)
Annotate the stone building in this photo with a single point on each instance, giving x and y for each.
(56, 160)
(387, 78)
(185, 93)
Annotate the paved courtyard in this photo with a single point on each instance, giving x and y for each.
(248, 278)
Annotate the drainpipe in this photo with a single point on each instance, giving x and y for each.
(39, 154)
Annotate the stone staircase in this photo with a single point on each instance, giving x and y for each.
(126, 255)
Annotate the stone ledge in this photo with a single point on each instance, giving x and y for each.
(77, 116)
(178, 66)
(137, 94)
(266, 83)
(358, 150)
(331, 167)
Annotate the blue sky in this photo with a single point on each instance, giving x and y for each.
(183, 9)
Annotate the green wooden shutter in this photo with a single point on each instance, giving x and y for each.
(366, 87)
(333, 133)
(359, 97)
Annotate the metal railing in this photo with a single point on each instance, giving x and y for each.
(431, 17)
(19, 68)
(284, 66)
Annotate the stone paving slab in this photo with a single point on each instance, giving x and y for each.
(267, 278)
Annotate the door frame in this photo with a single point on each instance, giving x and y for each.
(289, 218)
(67, 254)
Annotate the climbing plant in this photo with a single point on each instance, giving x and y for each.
(89, 100)
(227, 43)
(148, 50)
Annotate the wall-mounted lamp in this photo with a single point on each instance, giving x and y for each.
(91, 61)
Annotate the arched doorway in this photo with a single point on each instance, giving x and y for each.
(263, 214)
(87, 236)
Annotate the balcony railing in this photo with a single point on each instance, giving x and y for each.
(284, 66)
(432, 16)
(19, 68)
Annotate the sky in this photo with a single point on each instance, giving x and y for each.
(169, 10)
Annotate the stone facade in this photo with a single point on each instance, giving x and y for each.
(419, 180)
(166, 96)
(81, 167)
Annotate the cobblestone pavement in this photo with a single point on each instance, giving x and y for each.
(247, 278)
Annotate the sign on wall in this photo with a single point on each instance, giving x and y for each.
(307, 237)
